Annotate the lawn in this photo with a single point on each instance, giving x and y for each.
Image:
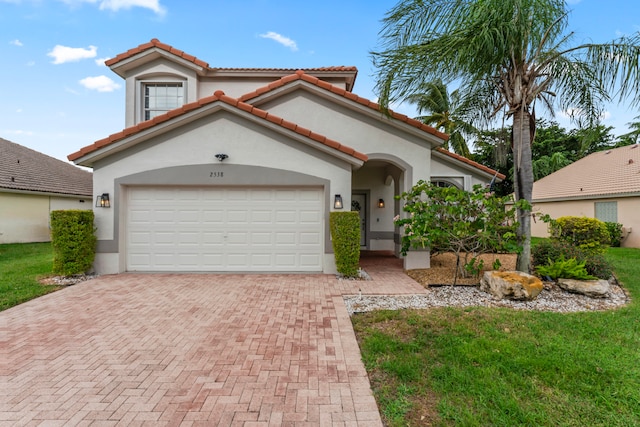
(500, 367)
(21, 265)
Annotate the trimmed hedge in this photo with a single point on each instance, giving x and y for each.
(73, 241)
(588, 234)
(345, 237)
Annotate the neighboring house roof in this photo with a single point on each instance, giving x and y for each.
(24, 169)
(614, 172)
(218, 96)
(119, 63)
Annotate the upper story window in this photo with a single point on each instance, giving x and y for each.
(160, 98)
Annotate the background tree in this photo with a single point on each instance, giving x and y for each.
(632, 137)
(507, 55)
(445, 113)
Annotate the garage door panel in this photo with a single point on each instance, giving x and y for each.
(225, 229)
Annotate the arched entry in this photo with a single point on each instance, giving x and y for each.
(374, 189)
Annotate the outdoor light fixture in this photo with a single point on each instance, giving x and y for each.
(337, 202)
(222, 157)
(380, 203)
(102, 201)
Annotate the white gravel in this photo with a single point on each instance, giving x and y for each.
(552, 298)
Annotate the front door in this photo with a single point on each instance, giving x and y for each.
(359, 204)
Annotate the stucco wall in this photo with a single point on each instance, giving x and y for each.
(628, 216)
(352, 128)
(245, 142)
(25, 217)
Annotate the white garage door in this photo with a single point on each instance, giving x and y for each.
(224, 229)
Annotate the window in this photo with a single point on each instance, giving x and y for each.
(607, 211)
(161, 97)
(443, 184)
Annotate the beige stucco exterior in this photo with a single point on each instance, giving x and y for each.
(628, 215)
(24, 217)
(265, 152)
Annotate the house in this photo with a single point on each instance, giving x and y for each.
(603, 185)
(32, 185)
(224, 169)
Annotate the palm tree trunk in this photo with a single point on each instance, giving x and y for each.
(523, 183)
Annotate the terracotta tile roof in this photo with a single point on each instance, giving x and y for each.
(605, 173)
(301, 75)
(157, 44)
(22, 168)
(218, 96)
(471, 163)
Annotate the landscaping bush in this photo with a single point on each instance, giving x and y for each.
(564, 269)
(73, 241)
(615, 233)
(588, 234)
(345, 237)
(554, 250)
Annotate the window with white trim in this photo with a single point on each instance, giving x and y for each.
(158, 98)
(607, 211)
(442, 183)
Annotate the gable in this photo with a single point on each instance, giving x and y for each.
(207, 107)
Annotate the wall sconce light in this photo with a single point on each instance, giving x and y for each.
(380, 203)
(222, 157)
(337, 202)
(102, 201)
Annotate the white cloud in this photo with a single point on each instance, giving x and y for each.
(285, 41)
(62, 54)
(100, 83)
(100, 61)
(116, 5)
(16, 42)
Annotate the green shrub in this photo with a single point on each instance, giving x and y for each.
(565, 269)
(595, 264)
(615, 233)
(345, 237)
(588, 234)
(73, 241)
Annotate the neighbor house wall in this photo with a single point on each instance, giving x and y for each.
(628, 209)
(24, 217)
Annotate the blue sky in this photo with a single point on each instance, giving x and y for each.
(57, 96)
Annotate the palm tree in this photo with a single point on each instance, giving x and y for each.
(444, 112)
(507, 56)
(634, 136)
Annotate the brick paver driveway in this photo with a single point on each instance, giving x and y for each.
(189, 349)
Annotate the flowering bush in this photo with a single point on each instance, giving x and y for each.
(452, 220)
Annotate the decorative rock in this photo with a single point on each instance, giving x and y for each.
(591, 288)
(513, 285)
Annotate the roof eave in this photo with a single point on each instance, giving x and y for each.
(123, 66)
(90, 158)
(489, 173)
(434, 139)
(586, 197)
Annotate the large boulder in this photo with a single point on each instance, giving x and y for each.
(591, 288)
(514, 285)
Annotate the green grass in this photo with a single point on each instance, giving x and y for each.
(500, 367)
(21, 265)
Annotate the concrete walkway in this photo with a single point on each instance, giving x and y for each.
(191, 349)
